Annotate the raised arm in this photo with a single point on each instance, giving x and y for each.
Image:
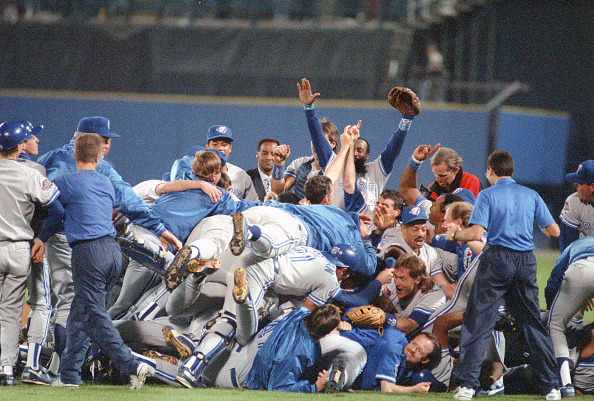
(408, 180)
(278, 181)
(336, 167)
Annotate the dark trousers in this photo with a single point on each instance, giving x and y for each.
(505, 275)
(96, 264)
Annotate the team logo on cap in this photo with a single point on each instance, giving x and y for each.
(415, 211)
(222, 129)
(335, 250)
(579, 168)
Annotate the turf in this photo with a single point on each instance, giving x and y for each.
(159, 392)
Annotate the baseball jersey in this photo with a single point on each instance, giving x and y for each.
(287, 359)
(21, 187)
(241, 183)
(583, 375)
(385, 355)
(61, 161)
(427, 253)
(578, 215)
(510, 228)
(418, 307)
(146, 190)
(464, 253)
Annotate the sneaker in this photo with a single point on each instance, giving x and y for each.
(463, 393)
(160, 356)
(176, 269)
(36, 376)
(237, 244)
(553, 395)
(203, 267)
(186, 378)
(240, 290)
(498, 388)
(60, 383)
(567, 391)
(7, 380)
(142, 371)
(336, 378)
(184, 344)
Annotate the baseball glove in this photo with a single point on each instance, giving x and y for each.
(404, 100)
(367, 316)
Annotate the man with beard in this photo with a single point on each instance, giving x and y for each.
(577, 216)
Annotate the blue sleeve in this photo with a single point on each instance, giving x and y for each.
(439, 241)
(543, 215)
(369, 256)
(363, 297)
(375, 238)
(129, 203)
(480, 212)
(556, 277)
(320, 143)
(285, 379)
(354, 202)
(53, 222)
(568, 235)
(392, 150)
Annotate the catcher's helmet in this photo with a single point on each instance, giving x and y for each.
(12, 133)
(344, 255)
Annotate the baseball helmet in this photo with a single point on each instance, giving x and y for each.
(344, 255)
(12, 133)
(33, 130)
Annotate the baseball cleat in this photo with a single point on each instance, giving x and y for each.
(176, 269)
(7, 380)
(184, 344)
(36, 376)
(186, 378)
(163, 357)
(240, 290)
(142, 371)
(237, 244)
(203, 266)
(336, 378)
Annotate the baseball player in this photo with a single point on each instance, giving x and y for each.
(577, 216)
(569, 289)
(21, 187)
(508, 272)
(59, 162)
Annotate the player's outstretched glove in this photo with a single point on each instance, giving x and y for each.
(404, 100)
(367, 316)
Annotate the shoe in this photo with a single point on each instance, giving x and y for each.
(567, 391)
(463, 393)
(240, 290)
(60, 383)
(237, 244)
(7, 380)
(36, 376)
(203, 267)
(176, 269)
(498, 388)
(336, 378)
(142, 371)
(163, 357)
(553, 395)
(186, 378)
(184, 344)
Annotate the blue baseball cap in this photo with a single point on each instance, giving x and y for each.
(465, 194)
(584, 173)
(192, 152)
(96, 125)
(219, 131)
(413, 213)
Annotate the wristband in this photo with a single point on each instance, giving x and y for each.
(308, 106)
(405, 124)
(414, 164)
(278, 172)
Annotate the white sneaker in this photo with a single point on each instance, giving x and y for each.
(553, 395)
(142, 371)
(463, 393)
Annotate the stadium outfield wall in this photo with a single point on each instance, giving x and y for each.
(156, 129)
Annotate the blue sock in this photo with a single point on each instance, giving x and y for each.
(255, 232)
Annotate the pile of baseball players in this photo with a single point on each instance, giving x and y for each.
(309, 277)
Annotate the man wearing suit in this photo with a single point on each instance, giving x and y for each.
(262, 174)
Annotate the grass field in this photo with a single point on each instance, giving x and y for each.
(92, 392)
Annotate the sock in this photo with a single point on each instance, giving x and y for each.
(195, 252)
(33, 355)
(255, 233)
(54, 366)
(8, 370)
(564, 371)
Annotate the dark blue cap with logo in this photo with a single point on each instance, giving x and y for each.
(219, 131)
(584, 173)
(413, 213)
(96, 125)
